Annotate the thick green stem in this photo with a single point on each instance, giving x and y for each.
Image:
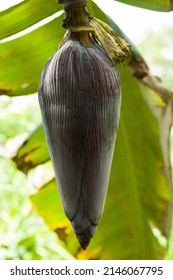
(76, 14)
(76, 20)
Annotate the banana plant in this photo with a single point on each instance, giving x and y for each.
(139, 198)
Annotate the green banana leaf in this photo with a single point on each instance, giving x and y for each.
(139, 198)
(22, 59)
(24, 15)
(33, 151)
(156, 5)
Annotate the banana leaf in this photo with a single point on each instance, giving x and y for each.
(156, 5)
(24, 15)
(22, 59)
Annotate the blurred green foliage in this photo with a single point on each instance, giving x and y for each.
(160, 59)
(156, 48)
(23, 234)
